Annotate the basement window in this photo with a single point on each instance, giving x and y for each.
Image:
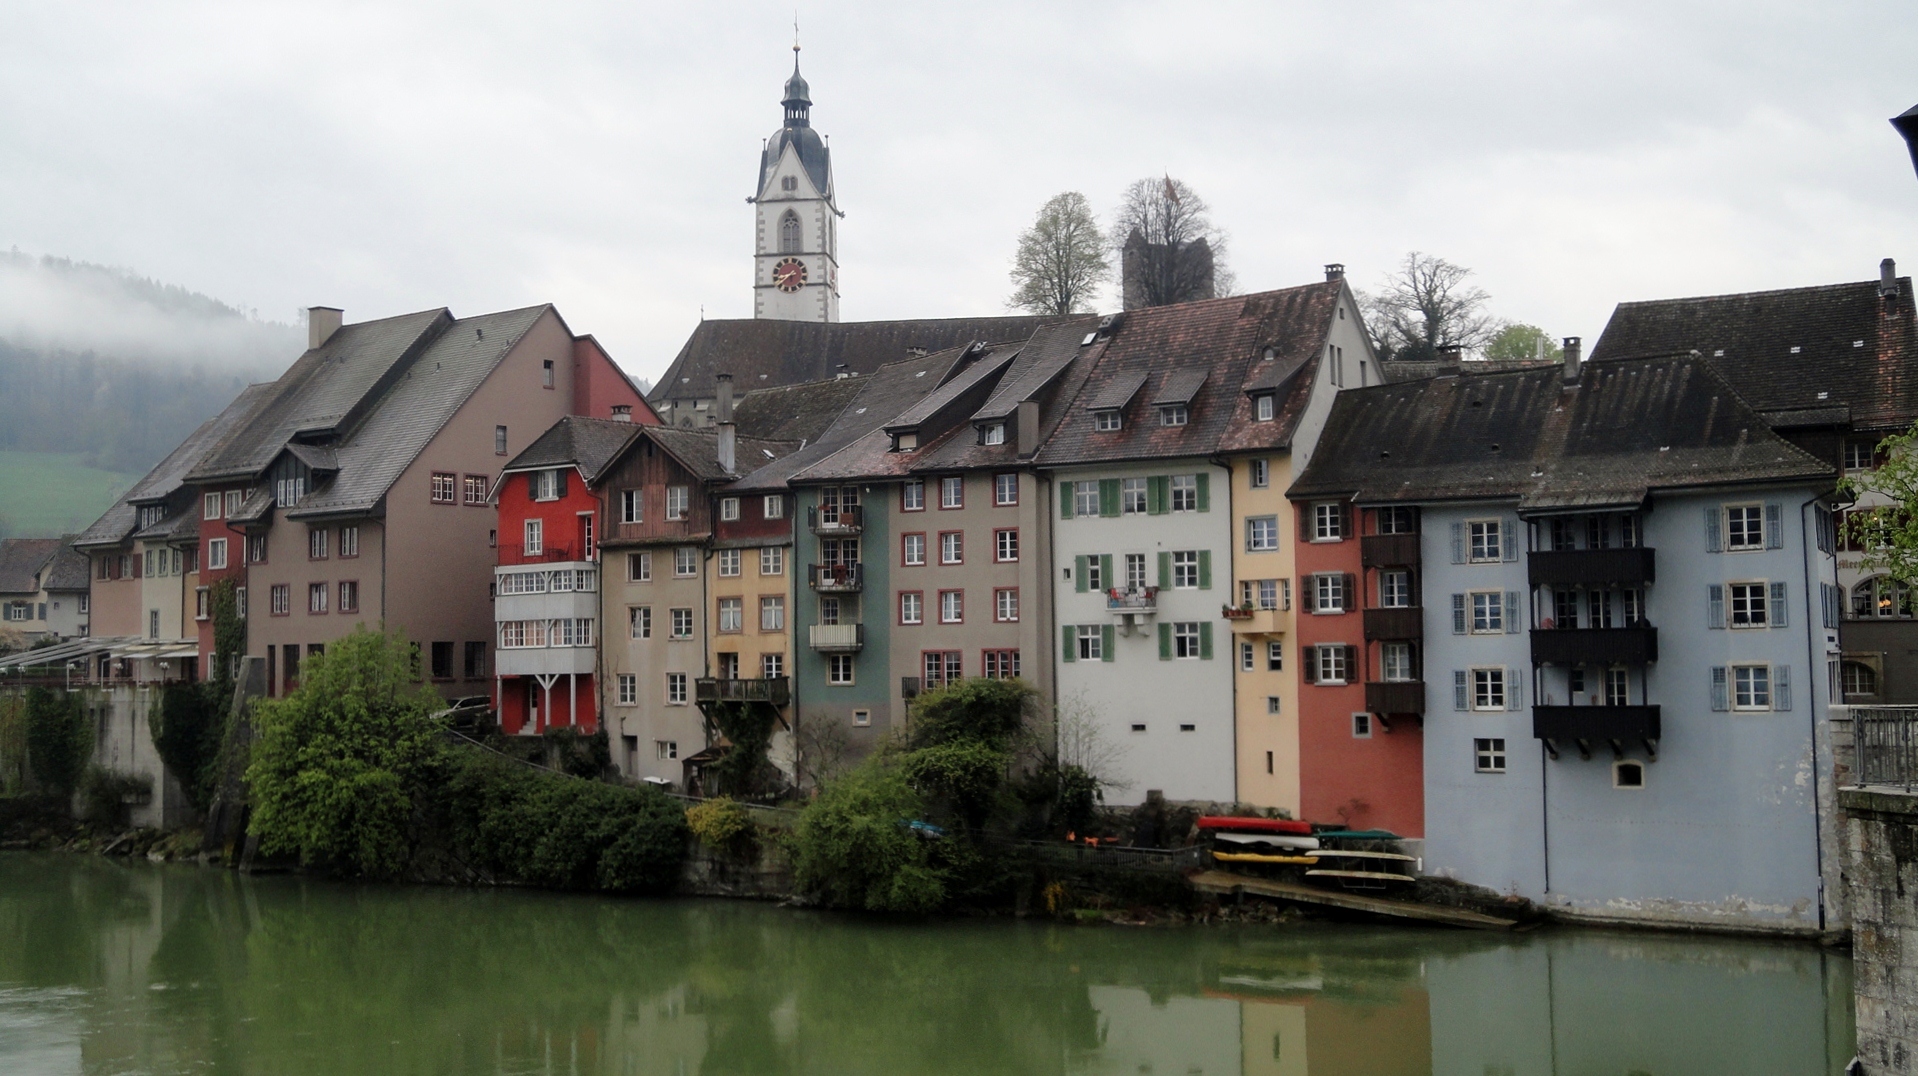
(1627, 774)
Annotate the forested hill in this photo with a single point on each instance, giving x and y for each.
(118, 369)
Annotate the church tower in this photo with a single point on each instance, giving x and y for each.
(796, 260)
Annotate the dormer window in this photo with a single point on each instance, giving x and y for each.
(905, 441)
(993, 433)
(1263, 407)
(1173, 415)
(1105, 421)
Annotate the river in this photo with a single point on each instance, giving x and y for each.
(116, 967)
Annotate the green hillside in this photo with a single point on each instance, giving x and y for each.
(50, 493)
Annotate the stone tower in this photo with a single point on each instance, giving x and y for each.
(796, 257)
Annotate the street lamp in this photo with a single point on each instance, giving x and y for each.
(1907, 124)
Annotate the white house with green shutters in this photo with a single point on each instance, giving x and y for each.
(1143, 556)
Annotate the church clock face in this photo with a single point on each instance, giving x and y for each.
(789, 274)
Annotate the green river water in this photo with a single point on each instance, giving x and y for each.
(116, 967)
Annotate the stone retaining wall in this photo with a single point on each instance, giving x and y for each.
(1881, 880)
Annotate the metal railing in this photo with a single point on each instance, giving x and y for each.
(1885, 739)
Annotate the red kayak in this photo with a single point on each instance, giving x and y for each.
(1255, 825)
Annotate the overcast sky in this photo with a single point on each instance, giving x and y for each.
(391, 156)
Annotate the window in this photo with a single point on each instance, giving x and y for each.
(1398, 521)
(475, 664)
(912, 607)
(1328, 592)
(1328, 522)
(1751, 687)
(1331, 664)
(316, 541)
(773, 506)
(1488, 612)
(1881, 596)
(1487, 543)
(1185, 569)
(514, 636)
(952, 492)
(789, 224)
(1395, 662)
(1628, 774)
(1261, 534)
(912, 549)
(1132, 496)
(952, 547)
(1005, 489)
(1361, 726)
(210, 506)
(1091, 639)
(628, 689)
(1860, 455)
(912, 495)
(239, 602)
(682, 623)
(994, 433)
(839, 669)
(685, 561)
(1488, 689)
(999, 664)
(639, 567)
(1395, 589)
(1105, 421)
(728, 509)
(316, 597)
(1135, 571)
(632, 506)
(349, 596)
(215, 553)
(474, 487)
(349, 541)
(772, 613)
(772, 560)
(1185, 639)
(678, 500)
(1260, 473)
(1085, 498)
(942, 667)
(535, 537)
(667, 750)
(1185, 493)
(1272, 706)
(729, 563)
(1173, 415)
(1005, 545)
(772, 666)
(1488, 755)
(1617, 688)
(675, 694)
(546, 374)
(202, 604)
(731, 614)
(443, 487)
(1005, 605)
(1744, 527)
(1274, 656)
(499, 440)
(442, 661)
(1748, 605)
(829, 610)
(288, 491)
(952, 606)
(1248, 657)
(1858, 678)
(1262, 407)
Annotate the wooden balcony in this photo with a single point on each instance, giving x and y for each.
(1595, 722)
(1395, 696)
(776, 691)
(1395, 624)
(842, 521)
(1592, 567)
(1389, 550)
(547, 554)
(837, 578)
(1594, 646)
(837, 638)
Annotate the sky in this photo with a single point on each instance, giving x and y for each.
(393, 156)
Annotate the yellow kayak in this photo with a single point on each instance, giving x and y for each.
(1255, 857)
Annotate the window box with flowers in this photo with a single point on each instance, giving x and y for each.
(1238, 612)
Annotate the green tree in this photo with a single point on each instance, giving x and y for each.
(1426, 304)
(1888, 534)
(992, 711)
(188, 724)
(343, 763)
(1519, 342)
(1060, 259)
(57, 739)
(855, 850)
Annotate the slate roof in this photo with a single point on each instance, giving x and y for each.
(1403, 370)
(698, 451)
(1631, 426)
(1043, 357)
(397, 426)
(765, 353)
(794, 412)
(1221, 342)
(1049, 370)
(69, 570)
(590, 443)
(21, 559)
(871, 455)
(1802, 350)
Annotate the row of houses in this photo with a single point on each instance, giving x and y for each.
(1578, 627)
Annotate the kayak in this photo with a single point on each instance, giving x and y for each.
(1255, 825)
(1274, 840)
(1255, 857)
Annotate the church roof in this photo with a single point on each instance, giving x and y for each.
(814, 157)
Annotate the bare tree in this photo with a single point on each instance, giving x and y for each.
(1426, 304)
(1169, 249)
(1083, 743)
(820, 749)
(1061, 258)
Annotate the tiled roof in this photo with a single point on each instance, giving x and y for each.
(1048, 370)
(1219, 342)
(398, 425)
(795, 412)
(763, 353)
(21, 559)
(1118, 391)
(1630, 426)
(947, 408)
(1408, 370)
(69, 570)
(589, 443)
(698, 451)
(1790, 350)
(1041, 360)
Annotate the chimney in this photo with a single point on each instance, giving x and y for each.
(1335, 270)
(1448, 359)
(724, 408)
(321, 323)
(622, 412)
(728, 433)
(1887, 279)
(1572, 348)
(1028, 422)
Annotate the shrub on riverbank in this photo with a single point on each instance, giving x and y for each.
(854, 848)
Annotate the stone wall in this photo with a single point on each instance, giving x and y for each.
(1881, 881)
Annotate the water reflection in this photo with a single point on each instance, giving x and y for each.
(109, 967)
